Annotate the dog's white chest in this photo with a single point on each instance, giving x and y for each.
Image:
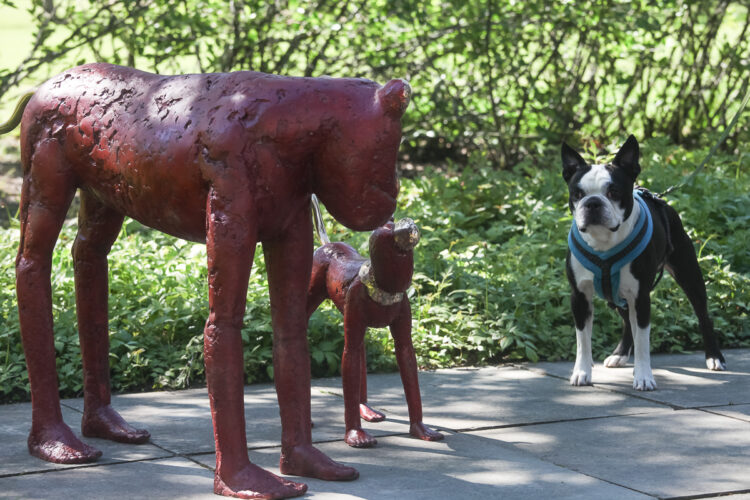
(584, 278)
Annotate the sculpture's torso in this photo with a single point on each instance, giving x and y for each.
(152, 146)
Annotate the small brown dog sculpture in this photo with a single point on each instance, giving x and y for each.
(229, 159)
(370, 293)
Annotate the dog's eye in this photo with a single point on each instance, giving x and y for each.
(613, 195)
(578, 194)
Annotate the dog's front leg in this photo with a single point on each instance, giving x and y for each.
(583, 314)
(288, 264)
(640, 325)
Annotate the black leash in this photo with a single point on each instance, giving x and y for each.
(715, 147)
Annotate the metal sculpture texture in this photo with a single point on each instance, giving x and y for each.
(226, 159)
(371, 293)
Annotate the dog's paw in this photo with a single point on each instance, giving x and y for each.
(644, 383)
(616, 361)
(716, 364)
(580, 377)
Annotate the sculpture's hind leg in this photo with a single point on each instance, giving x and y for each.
(48, 189)
(98, 227)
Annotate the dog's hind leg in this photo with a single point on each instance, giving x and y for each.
(682, 264)
(48, 189)
(98, 227)
(621, 354)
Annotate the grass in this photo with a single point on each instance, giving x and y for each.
(489, 282)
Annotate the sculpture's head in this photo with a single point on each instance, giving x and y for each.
(391, 254)
(355, 169)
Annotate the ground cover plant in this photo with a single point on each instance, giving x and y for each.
(489, 281)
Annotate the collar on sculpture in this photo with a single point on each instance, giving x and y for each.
(606, 265)
(376, 294)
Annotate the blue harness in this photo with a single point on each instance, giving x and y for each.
(606, 265)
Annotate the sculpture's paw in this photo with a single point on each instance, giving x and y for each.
(360, 438)
(58, 444)
(716, 364)
(644, 382)
(106, 423)
(308, 461)
(254, 482)
(580, 377)
(421, 431)
(369, 414)
(616, 361)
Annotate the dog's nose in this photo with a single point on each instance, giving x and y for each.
(593, 203)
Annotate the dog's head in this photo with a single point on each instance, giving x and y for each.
(601, 196)
(391, 254)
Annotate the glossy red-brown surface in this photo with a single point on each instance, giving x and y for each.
(335, 276)
(229, 159)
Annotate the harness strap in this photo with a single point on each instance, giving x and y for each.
(606, 265)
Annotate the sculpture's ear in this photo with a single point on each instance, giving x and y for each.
(627, 158)
(394, 97)
(571, 162)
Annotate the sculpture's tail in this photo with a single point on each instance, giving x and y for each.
(319, 227)
(15, 118)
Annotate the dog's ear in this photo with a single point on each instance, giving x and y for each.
(627, 158)
(571, 162)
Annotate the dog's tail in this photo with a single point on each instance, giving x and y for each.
(15, 118)
(319, 227)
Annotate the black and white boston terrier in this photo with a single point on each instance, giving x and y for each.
(621, 240)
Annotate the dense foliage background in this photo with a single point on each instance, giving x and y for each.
(498, 76)
(497, 86)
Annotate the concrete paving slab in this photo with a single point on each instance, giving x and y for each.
(462, 466)
(180, 421)
(15, 422)
(682, 379)
(158, 479)
(462, 399)
(666, 454)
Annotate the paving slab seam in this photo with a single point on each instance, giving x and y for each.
(705, 410)
(708, 495)
(83, 466)
(529, 424)
(186, 456)
(608, 481)
(607, 389)
(62, 403)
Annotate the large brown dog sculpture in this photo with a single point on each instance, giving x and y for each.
(225, 159)
(371, 293)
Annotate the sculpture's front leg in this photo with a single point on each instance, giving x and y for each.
(230, 245)
(407, 366)
(351, 368)
(289, 263)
